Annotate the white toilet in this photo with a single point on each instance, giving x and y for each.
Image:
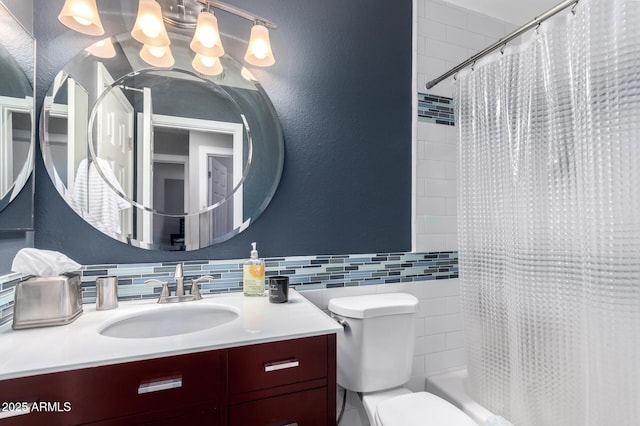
(375, 354)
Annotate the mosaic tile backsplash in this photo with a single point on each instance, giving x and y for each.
(305, 273)
(7, 287)
(435, 109)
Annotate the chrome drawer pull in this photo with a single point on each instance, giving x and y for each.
(160, 385)
(281, 365)
(292, 424)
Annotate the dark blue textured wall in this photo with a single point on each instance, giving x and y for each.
(342, 88)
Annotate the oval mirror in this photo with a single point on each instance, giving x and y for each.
(161, 158)
(16, 107)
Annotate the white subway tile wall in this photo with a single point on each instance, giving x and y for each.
(447, 35)
(436, 187)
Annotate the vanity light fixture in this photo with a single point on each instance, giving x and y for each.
(102, 49)
(160, 57)
(206, 40)
(81, 16)
(149, 28)
(207, 65)
(259, 51)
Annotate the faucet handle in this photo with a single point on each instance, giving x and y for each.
(164, 293)
(195, 289)
(179, 271)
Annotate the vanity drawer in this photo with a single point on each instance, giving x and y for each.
(198, 415)
(118, 390)
(307, 408)
(268, 365)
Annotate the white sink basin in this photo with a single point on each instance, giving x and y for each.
(169, 321)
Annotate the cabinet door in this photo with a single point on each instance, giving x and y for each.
(118, 390)
(306, 408)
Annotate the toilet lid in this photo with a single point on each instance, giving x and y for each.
(421, 409)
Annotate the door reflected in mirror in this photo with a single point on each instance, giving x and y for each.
(161, 159)
(195, 171)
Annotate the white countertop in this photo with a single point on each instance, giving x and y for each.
(79, 344)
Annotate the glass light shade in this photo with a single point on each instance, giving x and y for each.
(259, 50)
(207, 65)
(102, 49)
(206, 40)
(160, 57)
(81, 16)
(149, 28)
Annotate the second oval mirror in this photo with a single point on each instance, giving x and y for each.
(168, 159)
(16, 114)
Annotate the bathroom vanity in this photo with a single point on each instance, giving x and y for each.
(273, 364)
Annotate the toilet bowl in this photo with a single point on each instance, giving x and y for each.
(375, 356)
(417, 409)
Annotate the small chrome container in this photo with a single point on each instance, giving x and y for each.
(106, 293)
(47, 301)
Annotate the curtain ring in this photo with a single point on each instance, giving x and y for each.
(502, 48)
(455, 76)
(473, 66)
(573, 9)
(538, 27)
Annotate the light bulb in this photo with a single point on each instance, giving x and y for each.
(260, 49)
(81, 21)
(150, 26)
(157, 52)
(208, 37)
(80, 9)
(207, 61)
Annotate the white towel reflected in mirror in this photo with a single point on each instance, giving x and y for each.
(96, 200)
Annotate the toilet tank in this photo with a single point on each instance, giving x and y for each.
(375, 352)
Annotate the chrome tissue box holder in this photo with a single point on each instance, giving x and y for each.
(47, 301)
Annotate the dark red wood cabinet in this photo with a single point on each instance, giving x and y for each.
(289, 382)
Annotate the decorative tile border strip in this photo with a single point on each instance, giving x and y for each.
(435, 109)
(305, 273)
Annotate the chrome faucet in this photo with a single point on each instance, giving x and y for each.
(180, 296)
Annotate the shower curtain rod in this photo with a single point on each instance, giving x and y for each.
(503, 41)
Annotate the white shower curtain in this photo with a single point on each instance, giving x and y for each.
(549, 221)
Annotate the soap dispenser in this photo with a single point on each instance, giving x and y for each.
(253, 275)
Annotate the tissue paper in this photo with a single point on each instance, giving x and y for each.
(42, 263)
